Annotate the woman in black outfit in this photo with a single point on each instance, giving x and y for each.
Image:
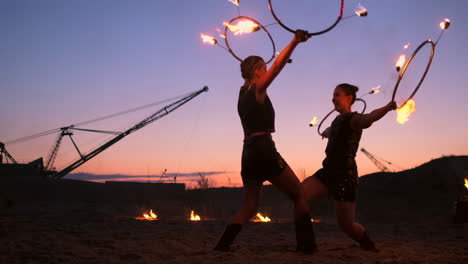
(339, 177)
(260, 160)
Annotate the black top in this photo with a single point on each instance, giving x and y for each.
(255, 117)
(343, 140)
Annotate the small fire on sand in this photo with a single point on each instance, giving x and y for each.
(405, 111)
(194, 217)
(151, 216)
(243, 26)
(261, 218)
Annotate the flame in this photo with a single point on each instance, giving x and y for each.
(261, 218)
(236, 2)
(406, 46)
(362, 11)
(194, 217)
(445, 24)
(208, 39)
(243, 26)
(375, 89)
(405, 111)
(315, 220)
(400, 62)
(466, 183)
(150, 216)
(313, 122)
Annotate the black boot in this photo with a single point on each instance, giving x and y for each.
(305, 236)
(228, 237)
(366, 243)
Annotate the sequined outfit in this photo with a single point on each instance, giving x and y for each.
(339, 172)
(260, 159)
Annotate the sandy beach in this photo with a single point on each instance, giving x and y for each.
(83, 233)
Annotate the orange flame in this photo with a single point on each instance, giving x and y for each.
(194, 217)
(466, 183)
(220, 34)
(315, 220)
(362, 11)
(445, 24)
(150, 216)
(375, 89)
(243, 26)
(208, 39)
(400, 62)
(261, 218)
(313, 122)
(236, 2)
(405, 111)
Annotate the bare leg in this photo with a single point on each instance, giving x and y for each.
(248, 209)
(345, 216)
(250, 203)
(288, 183)
(314, 189)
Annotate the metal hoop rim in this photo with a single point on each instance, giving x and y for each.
(340, 16)
(403, 71)
(261, 26)
(331, 112)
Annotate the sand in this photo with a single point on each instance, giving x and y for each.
(86, 233)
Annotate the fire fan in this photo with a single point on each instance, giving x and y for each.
(340, 16)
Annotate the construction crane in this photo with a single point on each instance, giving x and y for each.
(4, 155)
(65, 131)
(376, 162)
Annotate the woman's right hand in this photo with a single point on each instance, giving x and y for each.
(391, 106)
(301, 36)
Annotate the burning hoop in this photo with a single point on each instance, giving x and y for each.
(402, 72)
(259, 26)
(340, 16)
(331, 112)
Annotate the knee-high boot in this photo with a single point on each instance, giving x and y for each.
(228, 237)
(366, 243)
(305, 236)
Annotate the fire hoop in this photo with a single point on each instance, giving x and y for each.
(331, 112)
(340, 16)
(402, 73)
(260, 25)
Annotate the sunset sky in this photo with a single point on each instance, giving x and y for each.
(64, 62)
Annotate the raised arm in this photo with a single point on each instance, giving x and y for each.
(366, 120)
(278, 64)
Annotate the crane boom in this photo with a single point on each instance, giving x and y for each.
(377, 163)
(157, 115)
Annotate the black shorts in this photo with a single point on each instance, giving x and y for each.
(260, 159)
(341, 181)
